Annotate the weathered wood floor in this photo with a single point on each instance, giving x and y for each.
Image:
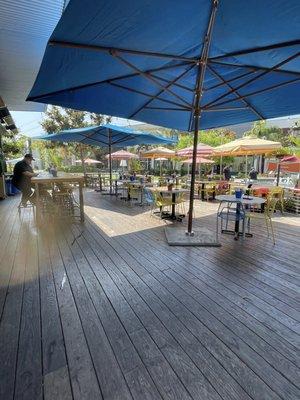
(108, 311)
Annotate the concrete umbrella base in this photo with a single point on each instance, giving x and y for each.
(202, 237)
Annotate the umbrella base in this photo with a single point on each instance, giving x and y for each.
(201, 237)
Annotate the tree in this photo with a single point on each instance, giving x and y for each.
(212, 137)
(13, 147)
(58, 119)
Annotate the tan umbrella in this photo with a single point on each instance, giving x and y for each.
(247, 146)
(90, 161)
(121, 155)
(159, 152)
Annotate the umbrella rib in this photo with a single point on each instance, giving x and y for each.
(58, 43)
(239, 96)
(165, 88)
(149, 77)
(258, 49)
(259, 91)
(86, 85)
(256, 68)
(146, 94)
(230, 80)
(225, 109)
(174, 84)
(253, 79)
(165, 108)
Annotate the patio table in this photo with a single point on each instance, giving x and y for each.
(61, 178)
(174, 192)
(245, 200)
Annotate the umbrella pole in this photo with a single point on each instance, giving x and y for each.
(221, 168)
(278, 174)
(109, 160)
(246, 167)
(197, 109)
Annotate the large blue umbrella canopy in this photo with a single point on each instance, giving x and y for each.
(106, 135)
(169, 62)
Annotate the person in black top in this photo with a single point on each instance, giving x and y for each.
(227, 172)
(23, 173)
(253, 174)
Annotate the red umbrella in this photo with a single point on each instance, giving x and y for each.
(202, 150)
(287, 164)
(200, 160)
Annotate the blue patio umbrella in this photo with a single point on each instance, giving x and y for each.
(171, 63)
(106, 135)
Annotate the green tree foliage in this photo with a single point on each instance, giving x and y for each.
(13, 147)
(290, 139)
(213, 137)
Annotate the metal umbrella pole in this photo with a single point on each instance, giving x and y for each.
(197, 110)
(109, 160)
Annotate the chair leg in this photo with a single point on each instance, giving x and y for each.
(267, 226)
(272, 230)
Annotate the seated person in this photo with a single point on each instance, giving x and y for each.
(23, 173)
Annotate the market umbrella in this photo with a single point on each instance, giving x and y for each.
(158, 152)
(286, 164)
(160, 159)
(199, 161)
(90, 161)
(202, 150)
(106, 135)
(122, 155)
(172, 63)
(247, 146)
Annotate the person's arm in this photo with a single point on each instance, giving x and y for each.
(29, 174)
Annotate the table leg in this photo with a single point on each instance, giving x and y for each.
(81, 202)
(173, 215)
(237, 221)
(38, 203)
(202, 191)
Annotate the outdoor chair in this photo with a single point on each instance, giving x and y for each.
(222, 187)
(231, 212)
(64, 200)
(162, 202)
(208, 191)
(278, 194)
(149, 199)
(134, 193)
(122, 191)
(265, 216)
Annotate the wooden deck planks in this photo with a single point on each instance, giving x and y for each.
(107, 310)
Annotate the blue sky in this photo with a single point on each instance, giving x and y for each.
(29, 123)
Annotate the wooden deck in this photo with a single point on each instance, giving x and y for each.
(107, 310)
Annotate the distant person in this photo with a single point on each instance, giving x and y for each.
(227, 172)
(53, 170)
(253, 174)
(22, 175)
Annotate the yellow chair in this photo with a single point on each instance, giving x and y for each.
(277, 193)
(161, 202)
(180, 202)
(208, 191)
(266, 215)
(133, 192)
